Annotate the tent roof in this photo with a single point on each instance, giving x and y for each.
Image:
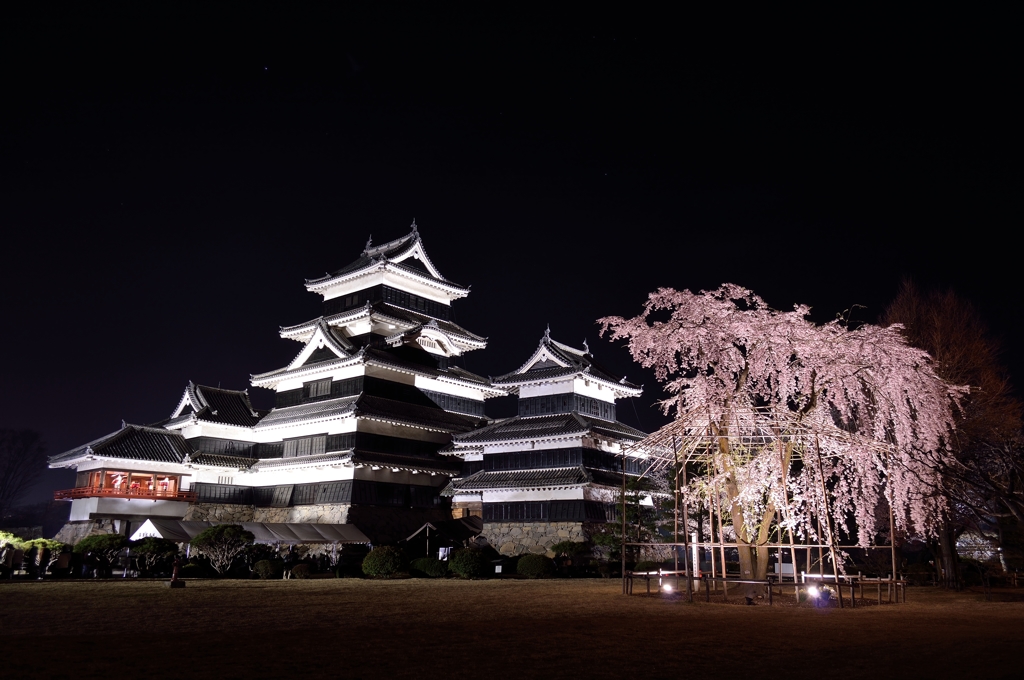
(460, 529)
(184, 532)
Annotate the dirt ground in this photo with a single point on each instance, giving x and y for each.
(349, 628)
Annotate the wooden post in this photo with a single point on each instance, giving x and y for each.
(892, 523)
(675, 519)
(623, 551)
(686, 531)
(828, 521)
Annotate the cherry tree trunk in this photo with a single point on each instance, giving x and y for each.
(948, 555)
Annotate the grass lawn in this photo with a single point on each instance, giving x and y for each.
(348, 628)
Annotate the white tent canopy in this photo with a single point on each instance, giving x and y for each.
(184, 532)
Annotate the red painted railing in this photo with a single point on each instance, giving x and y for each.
(142, 494)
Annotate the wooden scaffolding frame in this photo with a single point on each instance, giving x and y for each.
(696, 437)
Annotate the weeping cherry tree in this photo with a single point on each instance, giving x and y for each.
(824, 426)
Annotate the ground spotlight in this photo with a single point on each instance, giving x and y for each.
(813, 591)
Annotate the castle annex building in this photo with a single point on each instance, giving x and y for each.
(374, 425)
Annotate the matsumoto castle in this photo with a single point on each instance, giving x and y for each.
(375, 426)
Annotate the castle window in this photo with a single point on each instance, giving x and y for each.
(320, 388)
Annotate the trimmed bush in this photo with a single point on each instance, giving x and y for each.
(302, 571)
(469, 563)
(429, 567)
(221, 544)
(102, 544)
(646, 565)
(383, 561)
(269, 569)
(535, 566)
(194, 570)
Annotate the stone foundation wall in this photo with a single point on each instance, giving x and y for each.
(518, 538)
(73, 532)
(327, 513)
(380, 524)
(219, 512)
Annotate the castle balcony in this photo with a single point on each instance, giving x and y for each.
(141, 494)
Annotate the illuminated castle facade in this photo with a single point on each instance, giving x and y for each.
(373, 425)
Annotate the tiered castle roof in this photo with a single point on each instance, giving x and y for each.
(554, 361)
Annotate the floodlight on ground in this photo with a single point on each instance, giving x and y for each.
(667, 588)
(813, 591)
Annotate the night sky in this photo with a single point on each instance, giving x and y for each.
(170, 178)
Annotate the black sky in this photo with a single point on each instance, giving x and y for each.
(171, 176)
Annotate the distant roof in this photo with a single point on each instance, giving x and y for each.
(368, 406)
(523, 479)
(419, 463)
(214, 405)
(540, 427)
(184, 532)
(221, 460)
(460, 529)
(385, 358)
(402, 319)
(132, 442)
(553, 359)
(551, 478)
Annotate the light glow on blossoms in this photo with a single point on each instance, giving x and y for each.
(791, 417)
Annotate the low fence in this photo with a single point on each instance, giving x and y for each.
(895, 588)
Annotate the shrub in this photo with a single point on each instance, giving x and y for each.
(302, 571)
(647, 565)
(102, 544)
(383, 561)
(194, 570)
(570, 549)
(269, 569)
(429, 567)
(468, 563)
(101, 551)
(221, 544)
(154, 552)
(535, 566)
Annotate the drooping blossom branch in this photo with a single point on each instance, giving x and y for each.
(796, 410)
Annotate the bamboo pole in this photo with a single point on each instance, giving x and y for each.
(623, 549)
(675, 529)
(686, 530)
(828, 522)
(892, 522)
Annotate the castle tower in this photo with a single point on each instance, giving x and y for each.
(539, 478)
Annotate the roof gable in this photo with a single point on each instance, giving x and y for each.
(555, 361)
(547, 355)
(404, 256)
(213, 404)
(323, 338)
(131, 442)
(418, 255)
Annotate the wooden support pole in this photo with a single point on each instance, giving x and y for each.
(686, 547)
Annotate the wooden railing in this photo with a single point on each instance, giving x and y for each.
(142, 494)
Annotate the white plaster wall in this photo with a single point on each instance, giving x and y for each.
(425, 383)
(541, 495)
(333, 425)
(534, 445)
(545, 388)
(393, 279)
(588, 388)
(336, 373)
(84, 508)
(133, 466)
